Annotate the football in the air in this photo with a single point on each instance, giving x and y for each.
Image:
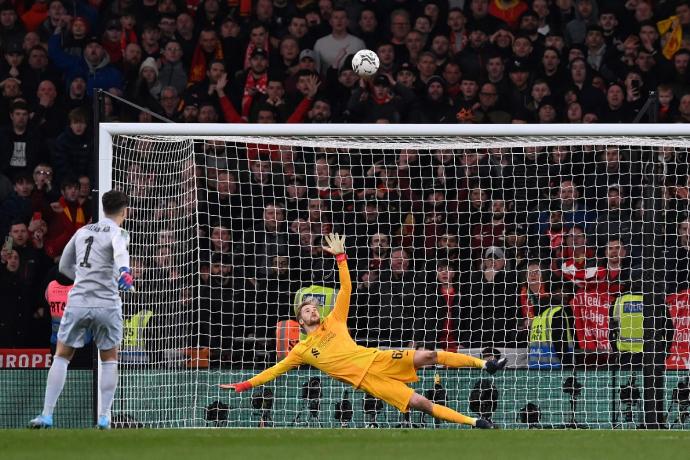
(365, 63)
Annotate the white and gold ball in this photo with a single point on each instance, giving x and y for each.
(365, 63)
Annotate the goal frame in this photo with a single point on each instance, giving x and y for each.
(654, 372)
(106, 131)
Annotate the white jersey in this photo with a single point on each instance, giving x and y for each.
(328, 49)
(92, 258)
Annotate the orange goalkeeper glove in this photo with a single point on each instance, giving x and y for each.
(238, 387)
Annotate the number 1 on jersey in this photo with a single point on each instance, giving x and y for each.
(85, 263)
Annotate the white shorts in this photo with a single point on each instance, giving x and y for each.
(105, 325)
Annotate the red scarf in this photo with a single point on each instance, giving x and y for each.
(245, 6)
(192, 6)
(454, 45)
(382, 100)
(79, 220)
(555, 238)
(250, 49)
(259, 84)
(114, 50)
(197, 70)
(454, 90)
(510, 13)
(128, 36)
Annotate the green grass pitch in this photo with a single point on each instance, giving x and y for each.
(342, 444)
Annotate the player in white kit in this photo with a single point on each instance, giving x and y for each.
(96, 258)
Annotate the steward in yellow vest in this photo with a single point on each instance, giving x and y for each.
(133, 342)
(628, 316)
(550, 340)
(324, 295)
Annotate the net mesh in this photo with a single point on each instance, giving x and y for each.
(22, 391)
(533, 248)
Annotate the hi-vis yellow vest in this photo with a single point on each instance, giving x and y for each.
(134, 327)
(324, 295)
(629, 312)
(542, 353)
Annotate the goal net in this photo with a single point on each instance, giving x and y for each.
(564, 251)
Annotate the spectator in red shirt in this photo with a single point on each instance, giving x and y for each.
(67, 217)
(617, 270)
(578, 262)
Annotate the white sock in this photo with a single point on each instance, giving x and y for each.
(107, 386)
(56, 381)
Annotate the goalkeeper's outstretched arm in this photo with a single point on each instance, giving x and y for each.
(281, 367)
(336, 246)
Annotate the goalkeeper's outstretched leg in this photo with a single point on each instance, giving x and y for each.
(424, 358)
(423, 404)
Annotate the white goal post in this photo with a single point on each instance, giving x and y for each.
(562, 247)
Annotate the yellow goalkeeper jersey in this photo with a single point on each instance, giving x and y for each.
(330, 347)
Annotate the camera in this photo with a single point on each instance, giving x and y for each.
(572, 387)
(629, 396)
(311, 401)
(262, 401)
(372, 407)
(635, 86)
(217, 413)
(681, 396)
(311, 389)
(629, 393)
(530, 415)
(311, 392)
(343, 410)
(437, 395)
(484, 399)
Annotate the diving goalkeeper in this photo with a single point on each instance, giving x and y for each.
(383, 374)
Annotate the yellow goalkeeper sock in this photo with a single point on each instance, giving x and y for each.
(449, 359)
(449, 415)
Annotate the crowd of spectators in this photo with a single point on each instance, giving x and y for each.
(480, 214)
(448, 248)
(455, 61)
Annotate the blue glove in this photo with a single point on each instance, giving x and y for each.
(125, 282)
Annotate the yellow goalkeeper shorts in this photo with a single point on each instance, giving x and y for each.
(388, 376)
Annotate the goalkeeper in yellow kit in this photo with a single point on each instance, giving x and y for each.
(383, 374)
